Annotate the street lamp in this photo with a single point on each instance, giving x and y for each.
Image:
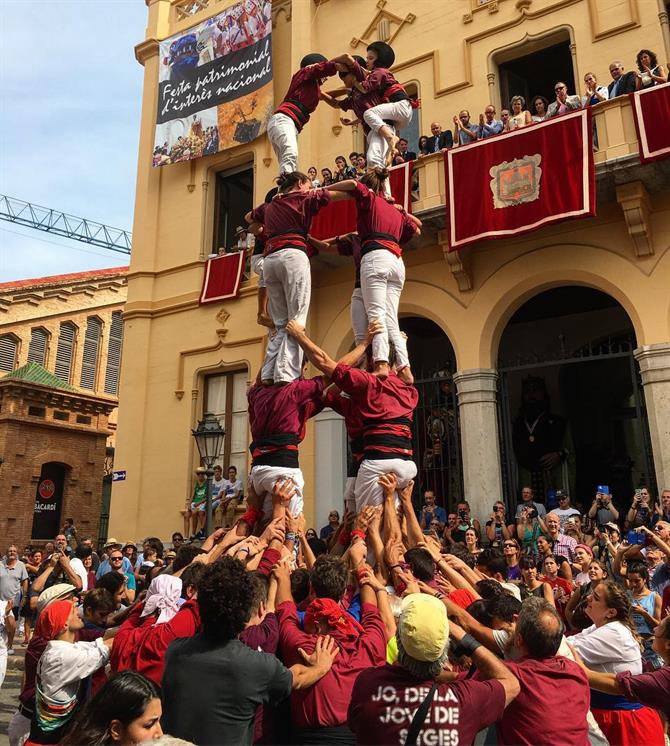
(209, 437)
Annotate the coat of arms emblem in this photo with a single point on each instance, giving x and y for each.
(515, 182)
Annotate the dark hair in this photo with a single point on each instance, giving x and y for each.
(190, 577)
(423, 141)
(421, 563)
(99, 599)
(111, 581)
(504, 607)
(652, 58)
(340, 157)
(288, 181)
(404, 139)
(539, 98)
(300, 584)
(176, 533)
(124, 697)
(375, 178)
(225, 598)
(261, 586)
(528, 563)
(184, 556)
(541, 627)
(479, 609)
(318, 546)
(82, 552)
(329, 577)
(488, 588)
(155, 543)
(353, 152)
(640, 569)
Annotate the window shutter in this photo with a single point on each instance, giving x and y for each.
(114, 354)
(89, 363)
(64, 351)
(9, 348)
(37, 351)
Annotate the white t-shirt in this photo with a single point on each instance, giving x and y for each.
(217, 486)
(563, 515)
(610, 648)
(232, 488)
(78, 566)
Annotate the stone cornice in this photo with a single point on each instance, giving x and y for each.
(146, 49)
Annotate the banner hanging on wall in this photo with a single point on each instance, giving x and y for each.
(521, 181)
(651, 108)
(215, 84)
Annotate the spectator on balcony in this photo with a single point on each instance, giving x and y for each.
(649, 72)
(504, 118)
(245, 240)
(353, 159)
(593, 93)
(361, 165)
(326, 177)
(311, 173)
(423, 145)
(464, 131)
(563, 103)
(439, 140)
(539, 106)
(404, 155)
(622, 83)
(342, 171)
(520, 115)
(488, 124)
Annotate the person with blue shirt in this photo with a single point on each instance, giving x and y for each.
(431, 511)
(488, 124)
(105, 565)
(464, 131)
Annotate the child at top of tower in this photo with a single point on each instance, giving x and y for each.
(299, 103)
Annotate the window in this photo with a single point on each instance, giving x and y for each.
(234, 199)
(89, 363)
(226, 398)
(65, 351)
(37, 351)
(536, 72)
(9, 351)
(114, 354)
(412, 132)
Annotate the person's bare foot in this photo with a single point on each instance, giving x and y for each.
(381, 370)
(392, 151)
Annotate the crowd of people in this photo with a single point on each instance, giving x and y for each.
(394, 626)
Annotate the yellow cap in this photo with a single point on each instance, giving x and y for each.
(423, 627)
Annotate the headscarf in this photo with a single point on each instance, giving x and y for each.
(327, 610)
(51, 621)
(586, 548)
(163, 595)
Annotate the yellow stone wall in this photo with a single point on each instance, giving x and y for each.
(451, 49)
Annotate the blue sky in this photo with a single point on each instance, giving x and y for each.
(70, 97)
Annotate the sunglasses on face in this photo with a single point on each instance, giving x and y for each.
(560, 88)
(116, 559)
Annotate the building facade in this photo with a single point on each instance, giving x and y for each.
(60, 357)
(578, 311)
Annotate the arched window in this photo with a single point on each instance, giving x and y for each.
(89, 363)
(114, 354)
(37, 351)
(9, 352)
(65, 351)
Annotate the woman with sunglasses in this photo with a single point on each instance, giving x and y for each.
(511, 553)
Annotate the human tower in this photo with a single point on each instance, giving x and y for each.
(372, 386)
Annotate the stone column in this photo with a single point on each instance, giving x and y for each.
(330, 465)
(480, 447)
(654, 362)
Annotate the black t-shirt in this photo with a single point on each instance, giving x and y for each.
(211, 691)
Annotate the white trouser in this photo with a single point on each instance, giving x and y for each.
(368, 491)
(3, 653)
(289, 283)
(18, 730)
(283, 135)
(349, 492)
(382, 280)
(257, 267)
(359, 318)
(398, 112)
(263, 479)
(375, 155)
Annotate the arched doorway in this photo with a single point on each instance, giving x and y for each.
(437, 448)
(569, 387)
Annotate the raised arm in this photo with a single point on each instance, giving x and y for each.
(315, 354)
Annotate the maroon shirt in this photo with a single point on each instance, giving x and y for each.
(376, 215)
(384, 700)
(326, 703)
(305, 89)
(290, 213)
(554, 699)
(383, 81)
(360, 102)
(651, 689)
(284, 409)
(375, 398)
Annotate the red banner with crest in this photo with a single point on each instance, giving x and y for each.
(520, 181)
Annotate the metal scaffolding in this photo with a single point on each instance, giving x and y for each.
(61, 224)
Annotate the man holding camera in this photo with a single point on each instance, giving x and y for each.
(602, 509)
(527, 501)
(431, 512)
